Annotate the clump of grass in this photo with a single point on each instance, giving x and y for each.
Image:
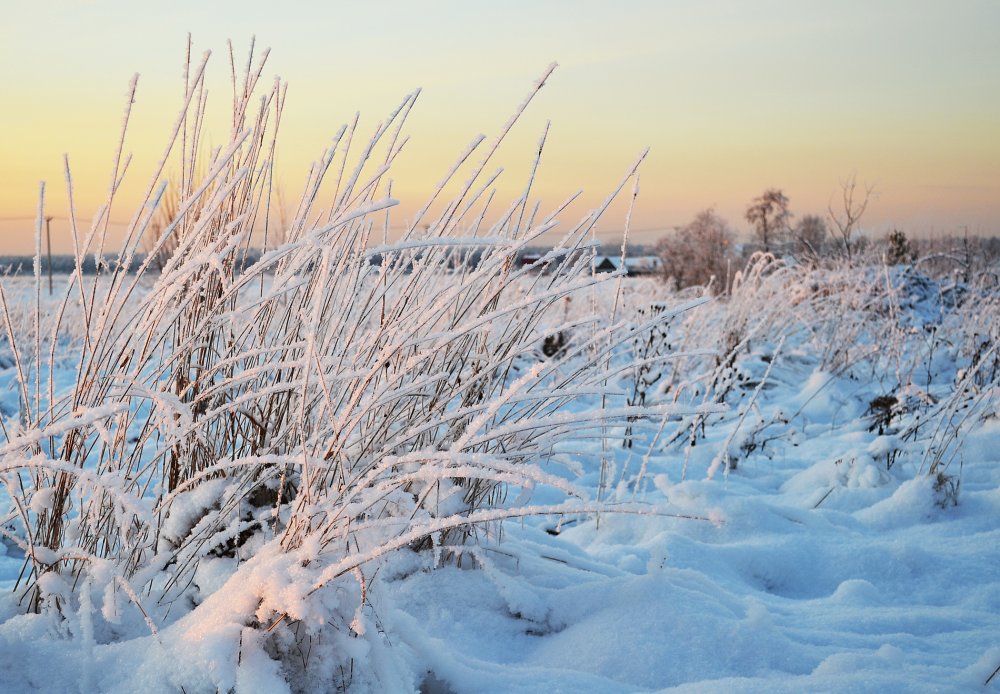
(300, 416)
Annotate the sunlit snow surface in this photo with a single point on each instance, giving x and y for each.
(820, 570)
(877, 590)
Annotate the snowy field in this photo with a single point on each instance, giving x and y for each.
(794, 541)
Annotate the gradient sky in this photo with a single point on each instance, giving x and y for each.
(731, 96)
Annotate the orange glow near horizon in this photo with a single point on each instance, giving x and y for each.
(730, 99)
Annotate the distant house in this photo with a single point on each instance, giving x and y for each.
(634, 267)
(603, 263)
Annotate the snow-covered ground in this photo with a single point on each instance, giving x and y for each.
(795, 542)
(821, 572)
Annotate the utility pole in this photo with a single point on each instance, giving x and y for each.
(48, 248)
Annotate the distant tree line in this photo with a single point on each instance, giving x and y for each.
(66, 264)
(704, 252)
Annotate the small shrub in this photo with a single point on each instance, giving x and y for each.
(898, 249)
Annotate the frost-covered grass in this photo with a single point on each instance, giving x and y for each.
(238, 444)
(275, 476)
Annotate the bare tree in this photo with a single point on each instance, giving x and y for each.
(770, 217)
(810, 235)
(854, 203)
(698, 252)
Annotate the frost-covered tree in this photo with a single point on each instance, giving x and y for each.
(854, 202)
(770, 217)
(698, 252)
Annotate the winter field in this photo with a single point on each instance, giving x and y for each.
(363, 464)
